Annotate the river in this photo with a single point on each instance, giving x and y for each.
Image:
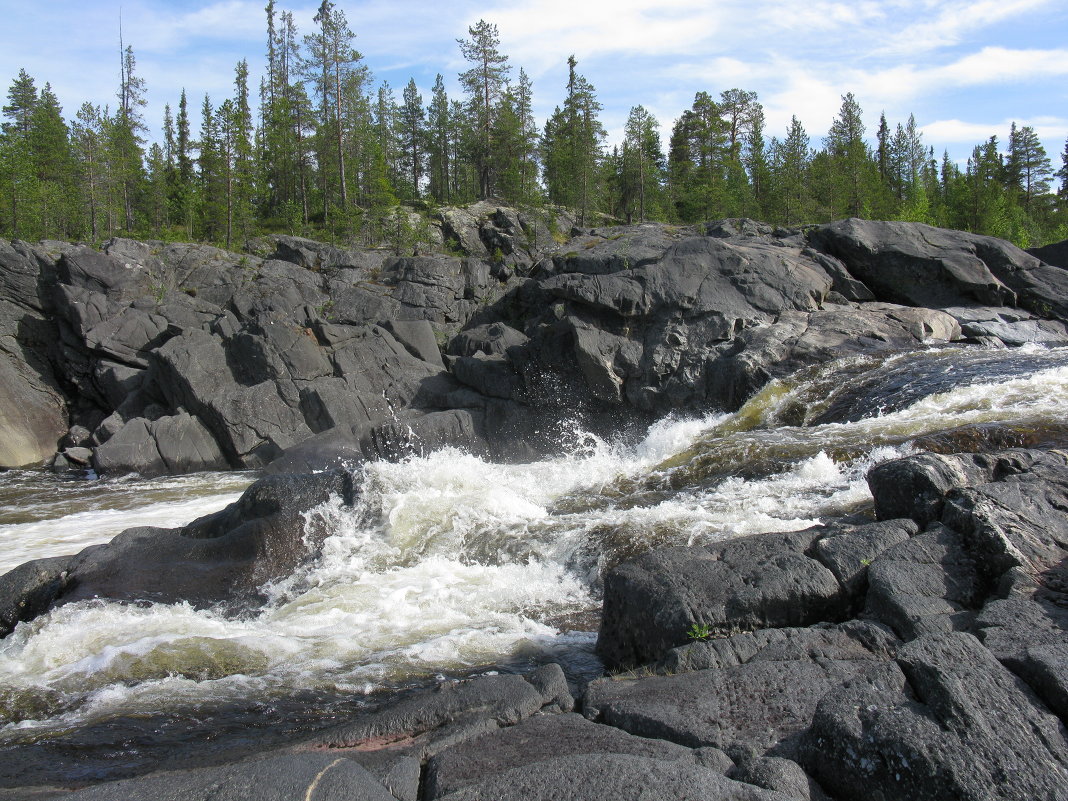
(449, 565)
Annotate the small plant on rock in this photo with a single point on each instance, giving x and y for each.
(699, 632)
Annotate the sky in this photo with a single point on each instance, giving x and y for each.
(966, 70)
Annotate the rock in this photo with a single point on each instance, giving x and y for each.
(538, 739)
(169, 445)
(973, 731)
(1055, 254)
(919, 265)
(29, 589)
(913, 264)
(417, 336)
(33, 415)
(1017, 520)
(850, 641)
(493, 339)
(763, 581)
(1012, 327)
(849, 553)
(915, 487)
(225, 556)
(927, 584)
(608, 777)
(425, 723)
(748, 709)
(776, 773)
(273, 778)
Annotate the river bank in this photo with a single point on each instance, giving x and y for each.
(395, 614)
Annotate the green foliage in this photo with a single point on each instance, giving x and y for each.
(699, 632)
(331, 156)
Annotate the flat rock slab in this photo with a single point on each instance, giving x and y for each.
(850, 641)
(611, 777)
(322, 777)
(927, 584)
(753, 707)
(539, 739)
(972, 730)
(427, 722)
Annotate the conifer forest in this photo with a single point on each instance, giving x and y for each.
(329, 153)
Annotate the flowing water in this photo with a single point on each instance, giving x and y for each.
(449, 565)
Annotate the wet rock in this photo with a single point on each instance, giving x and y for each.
(29, 589)
(226, 556)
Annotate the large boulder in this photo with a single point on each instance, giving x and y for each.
(225, 556)
(661, 599)
(920, 265)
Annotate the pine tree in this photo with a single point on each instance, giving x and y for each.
(641, 166)
(53, 163)
(790, 164)
(1062, 173)
(756, 163)
(22, 97)
(335, 65)
(571, 147)
(240, 121)
(87, 137)
(484, 84)
(17, 180)
(211, 189)
(413, 136)
(439, 146)
(126, 141)
(1028, 167)
(183, 184)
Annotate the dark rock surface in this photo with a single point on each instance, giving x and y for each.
(919, 656)
(951, 683)
(261, 352)
(226, 556)
(283, 777)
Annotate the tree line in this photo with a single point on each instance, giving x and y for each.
(331, 154)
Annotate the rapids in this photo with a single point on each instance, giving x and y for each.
(450, 565)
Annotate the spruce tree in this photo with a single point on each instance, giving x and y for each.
(849, 169)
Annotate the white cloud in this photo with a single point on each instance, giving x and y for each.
(960, 132)
(953, 21)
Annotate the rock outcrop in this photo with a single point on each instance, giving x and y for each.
(164, 358)
(946, 679)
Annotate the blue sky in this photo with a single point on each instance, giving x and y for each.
(965, 69)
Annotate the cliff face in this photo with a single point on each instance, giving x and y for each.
(163, 358)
